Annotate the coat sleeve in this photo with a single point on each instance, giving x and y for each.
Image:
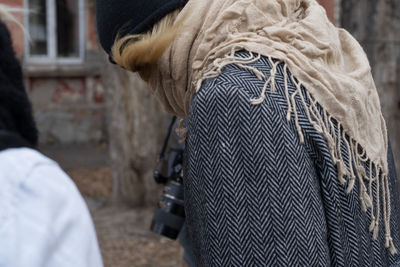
(252, 196)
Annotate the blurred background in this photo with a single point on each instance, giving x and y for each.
(103, 127)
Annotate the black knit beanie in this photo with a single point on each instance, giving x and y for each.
(130, 17)
(17, 126)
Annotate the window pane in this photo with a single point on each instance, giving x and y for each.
(67, 28)
(38, 27)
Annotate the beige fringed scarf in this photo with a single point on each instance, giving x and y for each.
(326, 60)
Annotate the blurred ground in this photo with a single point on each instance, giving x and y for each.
(126, 241)
(123, 233)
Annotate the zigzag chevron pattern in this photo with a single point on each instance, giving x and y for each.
(256, 196)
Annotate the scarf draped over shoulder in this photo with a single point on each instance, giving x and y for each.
(327, 61)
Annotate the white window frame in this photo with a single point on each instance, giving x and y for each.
(51, 21)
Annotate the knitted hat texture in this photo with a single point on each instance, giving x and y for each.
(129, 17)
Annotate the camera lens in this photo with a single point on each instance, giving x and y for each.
(167, 224)
(169, 218)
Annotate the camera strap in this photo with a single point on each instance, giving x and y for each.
(166, 141)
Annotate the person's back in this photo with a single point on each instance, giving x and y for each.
(254, 194)
(287, 160)
(44, 221)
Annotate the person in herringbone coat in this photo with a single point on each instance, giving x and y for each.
(287, 159)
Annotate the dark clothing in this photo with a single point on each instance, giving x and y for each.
(12, 140)
(15, 109)
(256, 196)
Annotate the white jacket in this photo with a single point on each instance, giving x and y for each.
(44, 221)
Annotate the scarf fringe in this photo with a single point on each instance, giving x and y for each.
(348, 173)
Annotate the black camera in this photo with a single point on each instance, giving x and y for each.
(169, 217)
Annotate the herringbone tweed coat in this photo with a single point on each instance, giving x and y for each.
(256, 196)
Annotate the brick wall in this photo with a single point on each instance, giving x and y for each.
(68, 110)
(68, 100)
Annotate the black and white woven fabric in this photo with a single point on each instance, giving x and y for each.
(256, 196)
